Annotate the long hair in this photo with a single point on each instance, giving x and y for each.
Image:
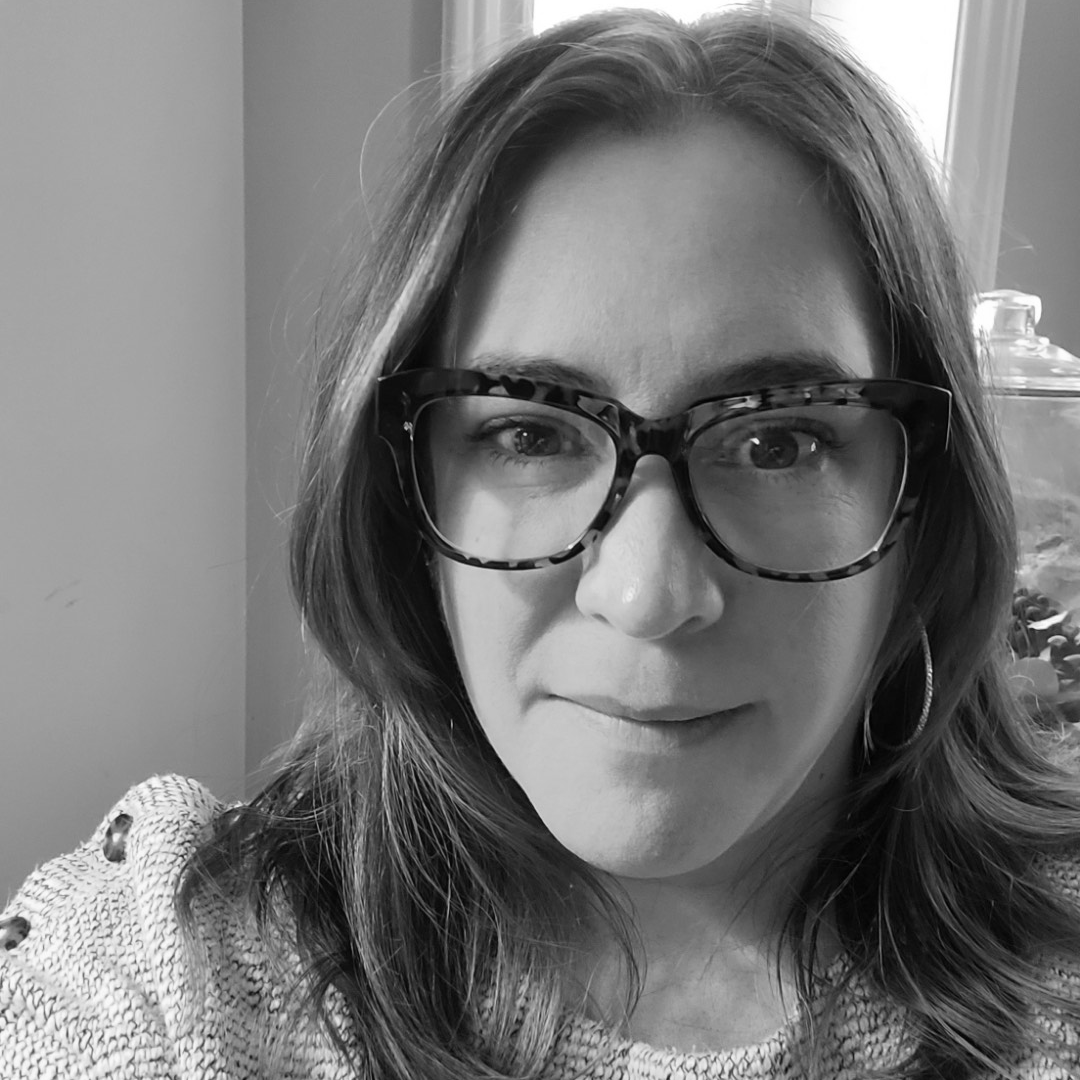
(419, 883)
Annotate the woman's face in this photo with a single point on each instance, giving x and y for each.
(665, 714)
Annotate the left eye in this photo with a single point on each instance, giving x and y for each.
(795, 447)
(536, 440)
(782, 448)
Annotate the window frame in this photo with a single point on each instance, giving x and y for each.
(979, 133)
(474, 31)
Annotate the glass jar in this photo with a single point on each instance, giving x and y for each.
(1036, 386)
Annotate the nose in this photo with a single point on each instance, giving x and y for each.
(650, 575)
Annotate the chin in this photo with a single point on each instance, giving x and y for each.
(644, 852)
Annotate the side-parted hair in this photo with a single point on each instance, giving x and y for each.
(419, 882)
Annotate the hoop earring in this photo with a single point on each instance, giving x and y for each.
(928, 699)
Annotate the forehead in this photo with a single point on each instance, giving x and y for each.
(651, 264)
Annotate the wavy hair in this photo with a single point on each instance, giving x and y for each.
(419, 883)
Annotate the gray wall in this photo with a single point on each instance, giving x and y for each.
(1040, 236)
(121, 409)
(177, 180)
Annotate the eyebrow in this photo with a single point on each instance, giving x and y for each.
(734, 377)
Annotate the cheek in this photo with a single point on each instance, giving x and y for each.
(495, 620)
(833, 637)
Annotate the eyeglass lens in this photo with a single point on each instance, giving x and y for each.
(800, 489)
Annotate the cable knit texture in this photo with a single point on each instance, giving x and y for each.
(95, 980)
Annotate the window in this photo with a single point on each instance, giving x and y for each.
(910, 46)
(951, 63)
(549, 12)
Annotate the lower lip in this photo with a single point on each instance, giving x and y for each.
(662, 736)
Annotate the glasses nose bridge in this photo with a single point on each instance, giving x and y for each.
(661, 437)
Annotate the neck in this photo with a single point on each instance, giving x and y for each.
(708, 950)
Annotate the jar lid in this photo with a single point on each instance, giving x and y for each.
(1020, 360)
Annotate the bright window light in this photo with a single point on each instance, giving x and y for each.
(549, 12)
(909, 44)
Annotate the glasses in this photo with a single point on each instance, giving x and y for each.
(806, 482)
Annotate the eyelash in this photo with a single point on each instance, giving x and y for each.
(824, 436)
(489, 430)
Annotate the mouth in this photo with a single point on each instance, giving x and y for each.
(653, 714)
(662, 730)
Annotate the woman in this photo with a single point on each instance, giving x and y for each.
(654, 535)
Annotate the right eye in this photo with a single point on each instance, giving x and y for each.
(495, 437)
(527, 437)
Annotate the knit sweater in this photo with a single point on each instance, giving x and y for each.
(95, 982)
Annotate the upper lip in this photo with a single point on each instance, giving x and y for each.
(643, 714)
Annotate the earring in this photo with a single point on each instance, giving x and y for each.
(928, 698)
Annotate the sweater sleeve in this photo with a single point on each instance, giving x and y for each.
(1063, 971)
(92, 963)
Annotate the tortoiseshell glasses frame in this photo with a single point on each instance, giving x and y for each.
(923, 411)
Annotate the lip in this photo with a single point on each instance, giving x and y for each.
(655, 732)
(678, 713)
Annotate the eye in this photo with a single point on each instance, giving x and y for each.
(797, 445)
(782, 448)
(496, 434)
(529, 438)
(544, 439)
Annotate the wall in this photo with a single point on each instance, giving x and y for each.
(326, 105)
(176, 175)
(121, 409)
(1040, 237)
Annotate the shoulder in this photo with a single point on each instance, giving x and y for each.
(1062, 871)
(97, 976)
(85, 937)
(1059, 973)
(137, 852)
(86, 899)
